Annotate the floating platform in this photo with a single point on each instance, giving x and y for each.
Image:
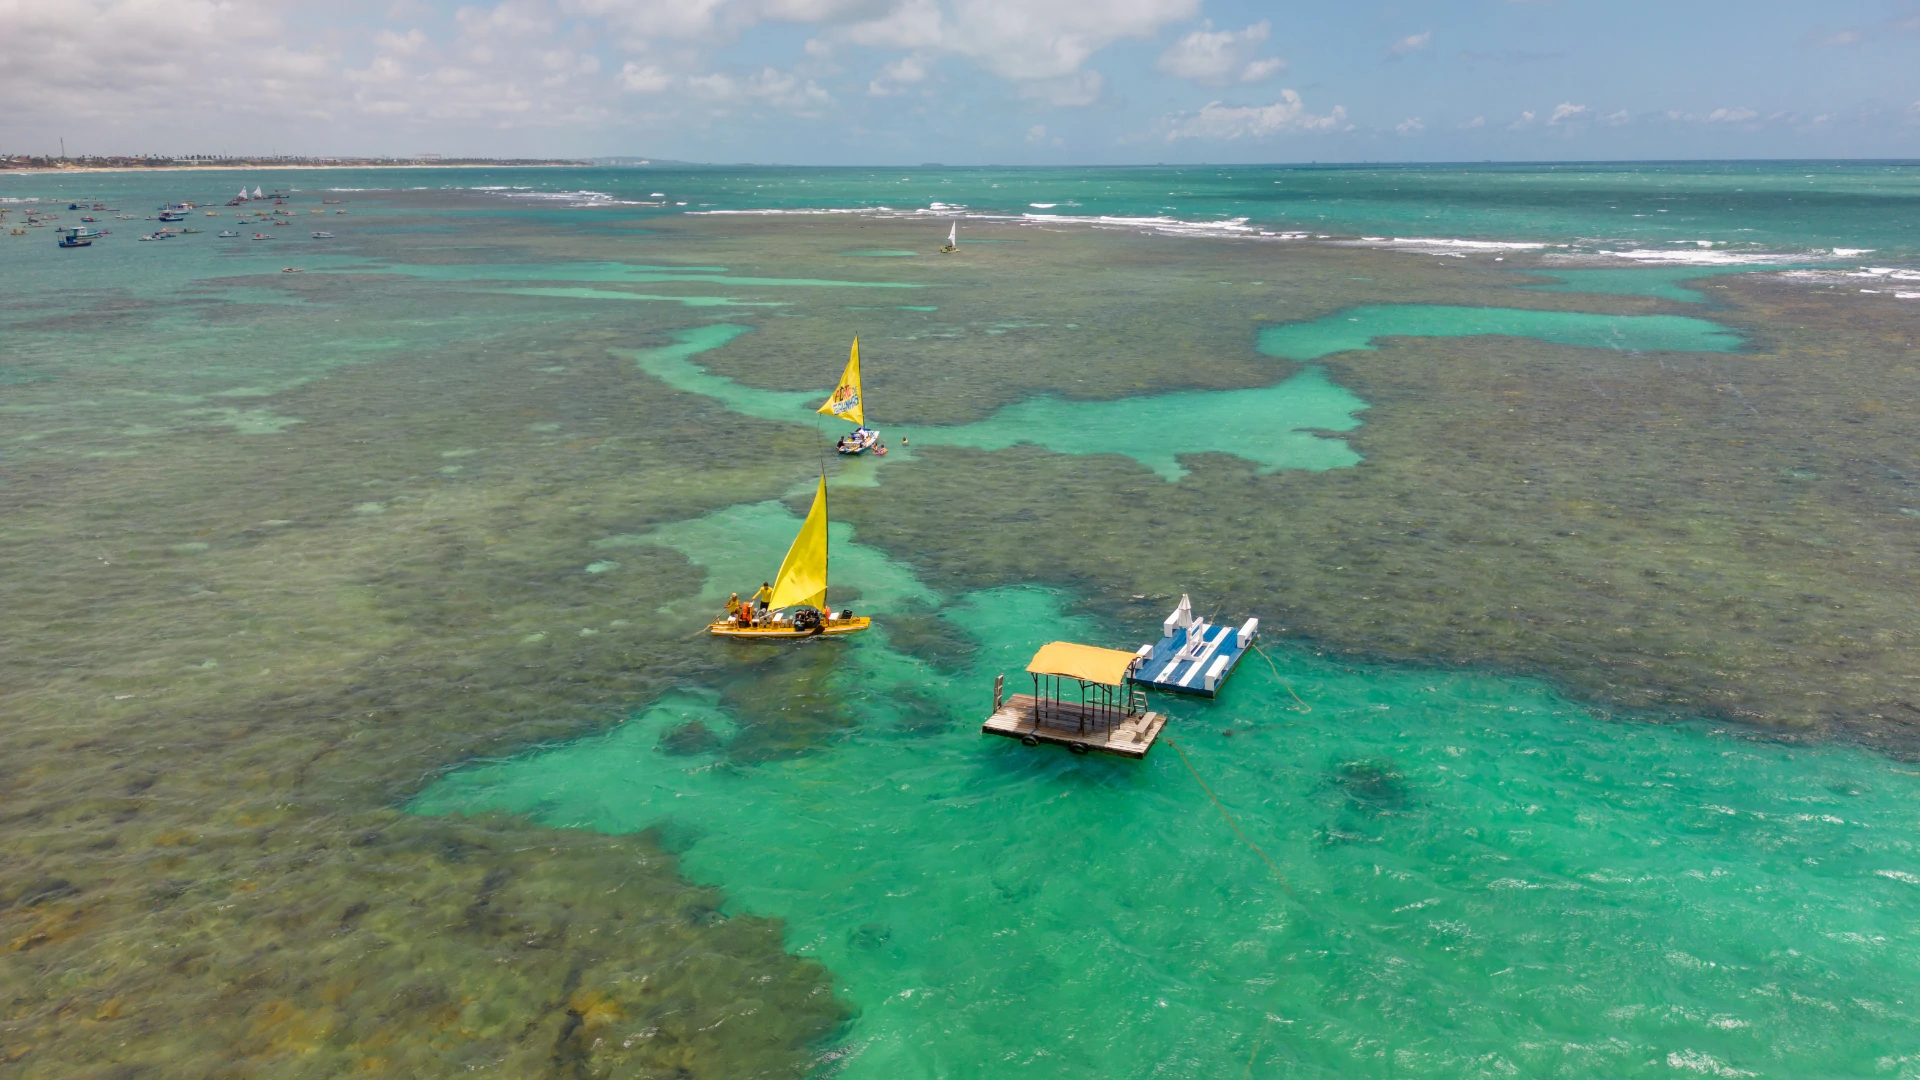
(1067, 724)
(1194, 656)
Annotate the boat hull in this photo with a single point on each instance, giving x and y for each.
(834, 628)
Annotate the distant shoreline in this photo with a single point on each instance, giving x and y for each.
(54, 171)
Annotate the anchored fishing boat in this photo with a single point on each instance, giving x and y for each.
(794, 605)
(847, 403)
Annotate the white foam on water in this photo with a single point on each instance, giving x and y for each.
(1707, 257)
(1851, 253)
(1172, 225)
(1043, 205)
(1446, 244)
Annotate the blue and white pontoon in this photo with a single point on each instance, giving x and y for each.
(1194, 656)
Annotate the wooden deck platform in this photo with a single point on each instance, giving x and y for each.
(1131, 738)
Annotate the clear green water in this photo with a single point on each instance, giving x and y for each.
(282, 551)
(1359, 327)
(1471, 876)
(1270, 425)
(1660, 282)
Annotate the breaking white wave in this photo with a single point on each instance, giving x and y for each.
(1043, 205)
(1443, 243)
(1708, 257)
(1174, 226)
(571, 198)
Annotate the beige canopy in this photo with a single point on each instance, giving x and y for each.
(1088, 662)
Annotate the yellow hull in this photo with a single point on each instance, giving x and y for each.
(835, 627)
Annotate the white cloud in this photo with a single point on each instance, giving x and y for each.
(644, 78)
(1015, 39)
(1412, 43)
(1230, 122)
(1476, 122)
(1617, 118)
(896, 77)
(1218, 57)
(1730, 116)
(232, 76)
(768, 86)
(1084, 88)
(1410, 126)
(1565, 111)
(1525, 121)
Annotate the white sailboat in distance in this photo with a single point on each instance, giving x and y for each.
(257, 194)
(953, 240)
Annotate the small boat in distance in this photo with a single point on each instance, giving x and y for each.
(292, 270)
(953, 240)
(323, 236)
(794, 605)
(261, 236)
(75, 239)
(228, 234)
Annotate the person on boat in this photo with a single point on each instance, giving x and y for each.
(760, 599)
(733, 604)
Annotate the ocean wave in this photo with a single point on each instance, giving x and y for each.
(1710, 257)
(581, 198)
(1169, 225)
(1443, 243)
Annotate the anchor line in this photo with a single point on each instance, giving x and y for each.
(1231, 824)
(1276, 674)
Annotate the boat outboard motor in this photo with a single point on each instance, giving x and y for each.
(808, 620)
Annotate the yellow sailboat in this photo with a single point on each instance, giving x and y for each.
(848, 403)
(795, 604)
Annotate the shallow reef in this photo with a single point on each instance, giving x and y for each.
(279, 552)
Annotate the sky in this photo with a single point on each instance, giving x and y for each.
(1009, 82)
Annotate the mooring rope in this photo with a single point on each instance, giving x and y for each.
(1304, 707)
(1231, 824)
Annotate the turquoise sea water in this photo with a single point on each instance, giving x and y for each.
(1469, 875)
(1271, 425)
(1740, 207)
(1357, 329)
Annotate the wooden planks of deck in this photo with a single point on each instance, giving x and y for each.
(1131, 738)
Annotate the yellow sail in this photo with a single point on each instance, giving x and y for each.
(803, 574)
(846, 402)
